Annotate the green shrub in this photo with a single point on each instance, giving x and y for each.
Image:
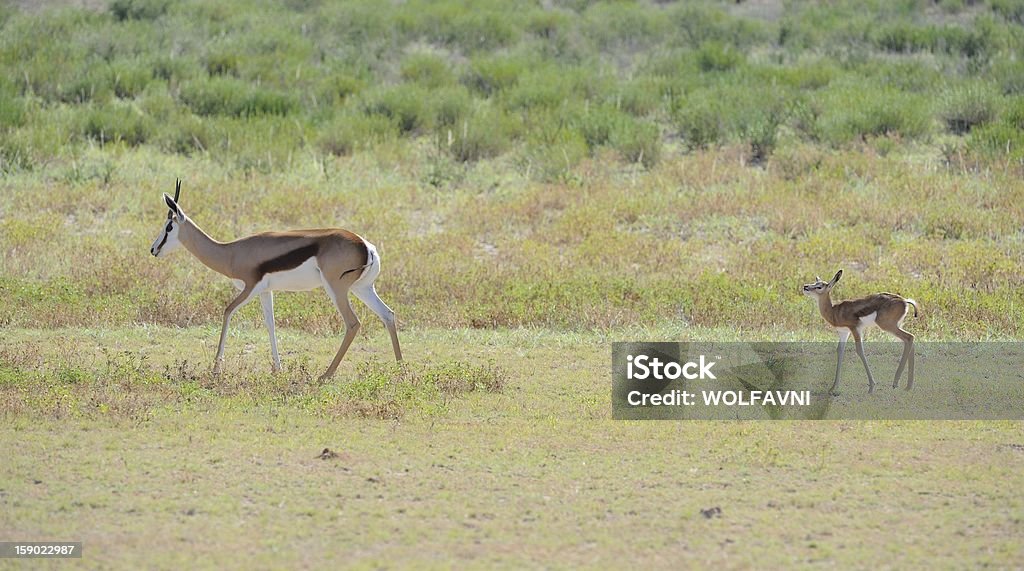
(761, 133)
(642, 96)
(623, 24)
(406, 105)
(232, 97)
(851, 111)
(14, 155)
(336, 87)
(1011, 10)
(12, 111)
(222, 64)
(92, 85)
(700, 123)
(119, 124)
(184, 136)
(486, 132)
(352, 132)
(138, 9)
(451, 105)
(477, 30)
(976, 42)
(714, 56)
(637, 141)
(173, 70)
(490, 75)
(1003, 138)
(553, 145)
(128, 79)
(428, 70)
(967, 106)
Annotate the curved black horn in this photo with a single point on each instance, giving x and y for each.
(177, 190)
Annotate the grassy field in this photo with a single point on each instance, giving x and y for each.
(541, 179)
(531, 472)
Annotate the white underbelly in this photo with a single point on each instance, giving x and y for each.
(868, 320)
(301, 278)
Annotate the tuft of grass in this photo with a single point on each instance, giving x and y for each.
(388, 391)
(965, 107)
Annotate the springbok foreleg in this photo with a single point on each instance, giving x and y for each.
(240, 300)
(844, 334)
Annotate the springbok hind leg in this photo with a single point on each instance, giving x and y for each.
(339, 295)
(906, 359)
(864, 359)
(368, 295)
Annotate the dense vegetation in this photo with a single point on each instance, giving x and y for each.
(261, 85)
(570, 165)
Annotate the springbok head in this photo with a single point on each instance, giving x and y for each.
(820, 287)
(167, 240)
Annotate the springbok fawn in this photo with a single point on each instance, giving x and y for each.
(297, 260)
(851, 317)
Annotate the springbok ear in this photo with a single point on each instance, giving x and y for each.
(171, 204)
(839, 274)
(817, 278)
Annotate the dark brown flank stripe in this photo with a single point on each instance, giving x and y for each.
(289, 261)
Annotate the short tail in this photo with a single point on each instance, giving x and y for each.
(371, 258)
(914, 303)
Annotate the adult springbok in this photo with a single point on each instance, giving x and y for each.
(886, 310)
(297, 260)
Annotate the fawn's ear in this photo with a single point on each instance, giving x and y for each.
(838, 275)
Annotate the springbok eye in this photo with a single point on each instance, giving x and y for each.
(169, 226)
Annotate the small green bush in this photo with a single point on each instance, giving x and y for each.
(1011, 10)
(552, 152)
(223, 63)
(138, 9)
(490, 75)
(965, 107)
(120, 124)
(1002, 138)
(128, 79)
(92, 85)
(337, 86)
(353, 132)
(406, 105)
(700, 124)
(714, 56)
(12, 111)
(761, 133)
(451, 105)
(232, 97)
(854, 111)
(428, 70)
(184, 136)
(637, 141)
(487, 132)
